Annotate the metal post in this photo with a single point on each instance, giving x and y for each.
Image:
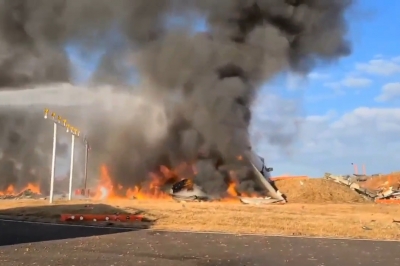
(355, 169)
(53, 163)
(71, 169)
(86, 163)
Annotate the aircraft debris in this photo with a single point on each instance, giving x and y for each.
(26, 194)
(379, 195)
(186, 190)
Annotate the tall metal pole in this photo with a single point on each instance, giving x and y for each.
(58, 120)
(86, 163)
(71, 169)
(53, 163)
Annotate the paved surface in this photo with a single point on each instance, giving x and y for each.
(175, 249)
(19, 232)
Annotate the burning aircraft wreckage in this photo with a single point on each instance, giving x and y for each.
(185, 189)
(175, 184)
(217, 75)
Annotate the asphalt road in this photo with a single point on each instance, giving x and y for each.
(85, 246)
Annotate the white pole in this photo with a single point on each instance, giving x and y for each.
(53, 163)
(86, 164)
(71, 169)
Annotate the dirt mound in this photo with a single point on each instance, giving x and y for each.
(317, 190)
(384, 181)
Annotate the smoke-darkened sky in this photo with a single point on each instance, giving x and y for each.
(196, 90)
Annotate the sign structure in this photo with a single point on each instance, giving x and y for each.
(75, 132)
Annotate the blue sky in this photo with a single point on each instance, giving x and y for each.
(347, 110)
(374, 32)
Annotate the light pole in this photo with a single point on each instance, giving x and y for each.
(58, 120)
(86, 163)
(71, 168)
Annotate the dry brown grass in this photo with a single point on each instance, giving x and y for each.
(316, 207)
(333, 220)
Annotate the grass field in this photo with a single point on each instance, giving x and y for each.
(362, 220)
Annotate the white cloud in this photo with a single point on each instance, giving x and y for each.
(330, 143)
(333, 85)
(381, 67)
(314, 98)
(353, 82)
(390, 91)
(349, 82)
(296, 81)
(317, 75)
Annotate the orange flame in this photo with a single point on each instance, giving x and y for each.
(232, 190)
(10, 190)
(152, 187)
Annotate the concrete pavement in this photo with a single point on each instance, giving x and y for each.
(20, 232)
(174, 249)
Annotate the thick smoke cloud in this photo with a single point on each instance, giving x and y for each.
(198, 88)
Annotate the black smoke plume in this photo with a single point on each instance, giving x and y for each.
(196, 92)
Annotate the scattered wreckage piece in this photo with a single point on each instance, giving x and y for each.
(26, 194)
(263, 175)
(273, 193)
(385, 193)
(382, 196)
(186, 190)
(258, 201)
(388, 196)
(352, 185)
(338, 179)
